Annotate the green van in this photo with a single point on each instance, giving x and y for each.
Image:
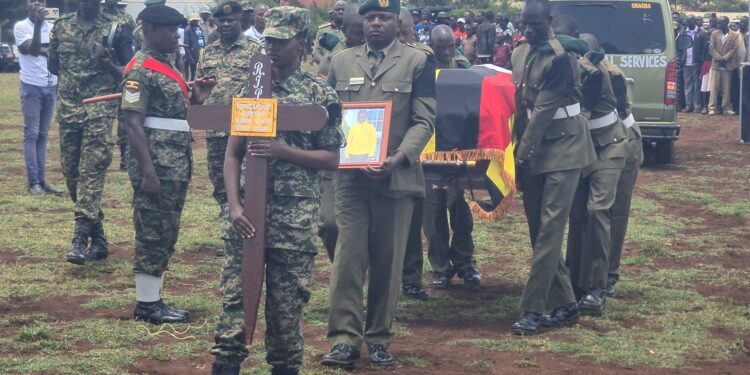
(638, 37)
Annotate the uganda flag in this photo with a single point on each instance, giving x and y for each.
(475, 114)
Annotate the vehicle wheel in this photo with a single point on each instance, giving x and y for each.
(664, 152)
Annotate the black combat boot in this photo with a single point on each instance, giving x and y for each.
(157, 313)
(98, 249)
(225, 368)
(77, 254)
(593, 302)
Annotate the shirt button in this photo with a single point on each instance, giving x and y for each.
(396, 89)
(563, 133)
(373, 84)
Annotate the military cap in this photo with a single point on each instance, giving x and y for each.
(286, 22)
(154, 2)
(205, 9)
(393, 6)
(227, 9)
(246, 5)
(161, 15)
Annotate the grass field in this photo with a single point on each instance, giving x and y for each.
(682, 305)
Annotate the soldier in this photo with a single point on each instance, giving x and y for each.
(229, 61)
(553, 146)
(589, 235)
(138, 32)
(354, 34)
(374, 205)
(87, 68)
(621, 207)
(155, 101)
(295, 161)
(329, 34)
(248, 13)
(430, 215)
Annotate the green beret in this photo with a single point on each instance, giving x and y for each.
(154, 2)
(227, 8)
(393, 6)
(161, 15)
(286, 22)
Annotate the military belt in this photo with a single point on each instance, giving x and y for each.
(604, 121)
(173, 124)
(629, 121)
(563, 112)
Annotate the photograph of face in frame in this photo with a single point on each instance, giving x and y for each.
(365, 126)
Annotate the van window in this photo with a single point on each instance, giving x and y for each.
(621, 27)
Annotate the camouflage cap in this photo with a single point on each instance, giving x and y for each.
(246, 4)
(286, 22)
(393, 6)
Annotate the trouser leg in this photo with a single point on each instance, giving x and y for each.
(31, 106)
(413, 257)
(620, 216)
(288, 279)
(576, 232)
(49, 98)
(726, 84)
(71, 134)
(462, 225)
(96, 156)
(229, 335)
(690, 74)
(327, 229)
(553, 193)
(437, 232)
(715, 87)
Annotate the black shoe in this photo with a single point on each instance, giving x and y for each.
(225, 368)
(157, 313)
(561, 316)
(471, 277)
(341, 355)
(174, 311)
(37, 190)
(415, 292)
(380, 355)
(441, 281)
(277, 370)
(528, 324)
(49, 189)
(98, 249)
(77, 254)
(593, 302)
(611, 290)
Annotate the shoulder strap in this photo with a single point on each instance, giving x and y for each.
(161, 68)
(557, 47)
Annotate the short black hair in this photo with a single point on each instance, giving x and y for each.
(543, 3)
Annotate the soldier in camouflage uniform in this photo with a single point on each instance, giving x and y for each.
(86, 68)
(227, 59)
(155, 102)
(329, 34)
(295, 161)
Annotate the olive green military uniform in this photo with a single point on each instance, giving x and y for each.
(326, 62)
(326, 39)
(293, 204)
(373, 217)
(621, 207)
(85, 130)
(157, 220)
(231, 66)
(554, 145)
(446, 255)
(589, 233)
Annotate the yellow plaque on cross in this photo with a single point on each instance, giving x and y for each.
(254, 117)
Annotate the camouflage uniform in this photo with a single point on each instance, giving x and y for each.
(125, 19)
(293, 205)
(230, 66)
(327, 33)
(138, 40)
(85, 130)
(157, 220)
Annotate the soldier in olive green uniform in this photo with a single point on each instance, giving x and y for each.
(589, 233)
(329, 34)
(621, 207)
(86, 68)
(295, 160)
(374, 205)
(155, 101)
(554, 144)
(447, 257)
(227, 59)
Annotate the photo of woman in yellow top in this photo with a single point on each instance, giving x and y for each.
(362, 140)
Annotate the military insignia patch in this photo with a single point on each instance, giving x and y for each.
(132, 85)
(131, 97)
(384, 3)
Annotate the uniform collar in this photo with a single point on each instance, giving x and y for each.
(163, 57)
(291, 82)
(385, 50)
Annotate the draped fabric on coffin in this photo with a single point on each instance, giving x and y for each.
(475, 114)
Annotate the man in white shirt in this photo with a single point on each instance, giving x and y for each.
(38, 91)
(256, 31)
(692, 61)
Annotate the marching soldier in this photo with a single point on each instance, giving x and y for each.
(554, 144)
(87, 68)
(228, 60)
(155, 101)
(374, 205)
(329, 34)
(295, 160)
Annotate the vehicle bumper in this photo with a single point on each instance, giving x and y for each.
(659, 131)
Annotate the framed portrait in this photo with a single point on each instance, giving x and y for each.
(365, 126)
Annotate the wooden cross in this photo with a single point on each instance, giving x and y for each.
(289, 118)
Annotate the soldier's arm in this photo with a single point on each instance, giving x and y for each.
(135, 99)
(423, 112)
(620, 88)
(592, 90)
(123, 45)
(53, 58)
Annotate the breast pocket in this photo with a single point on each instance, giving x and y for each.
(347, 92)
(397, 89)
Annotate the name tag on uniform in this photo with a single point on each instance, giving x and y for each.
(356, 80)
